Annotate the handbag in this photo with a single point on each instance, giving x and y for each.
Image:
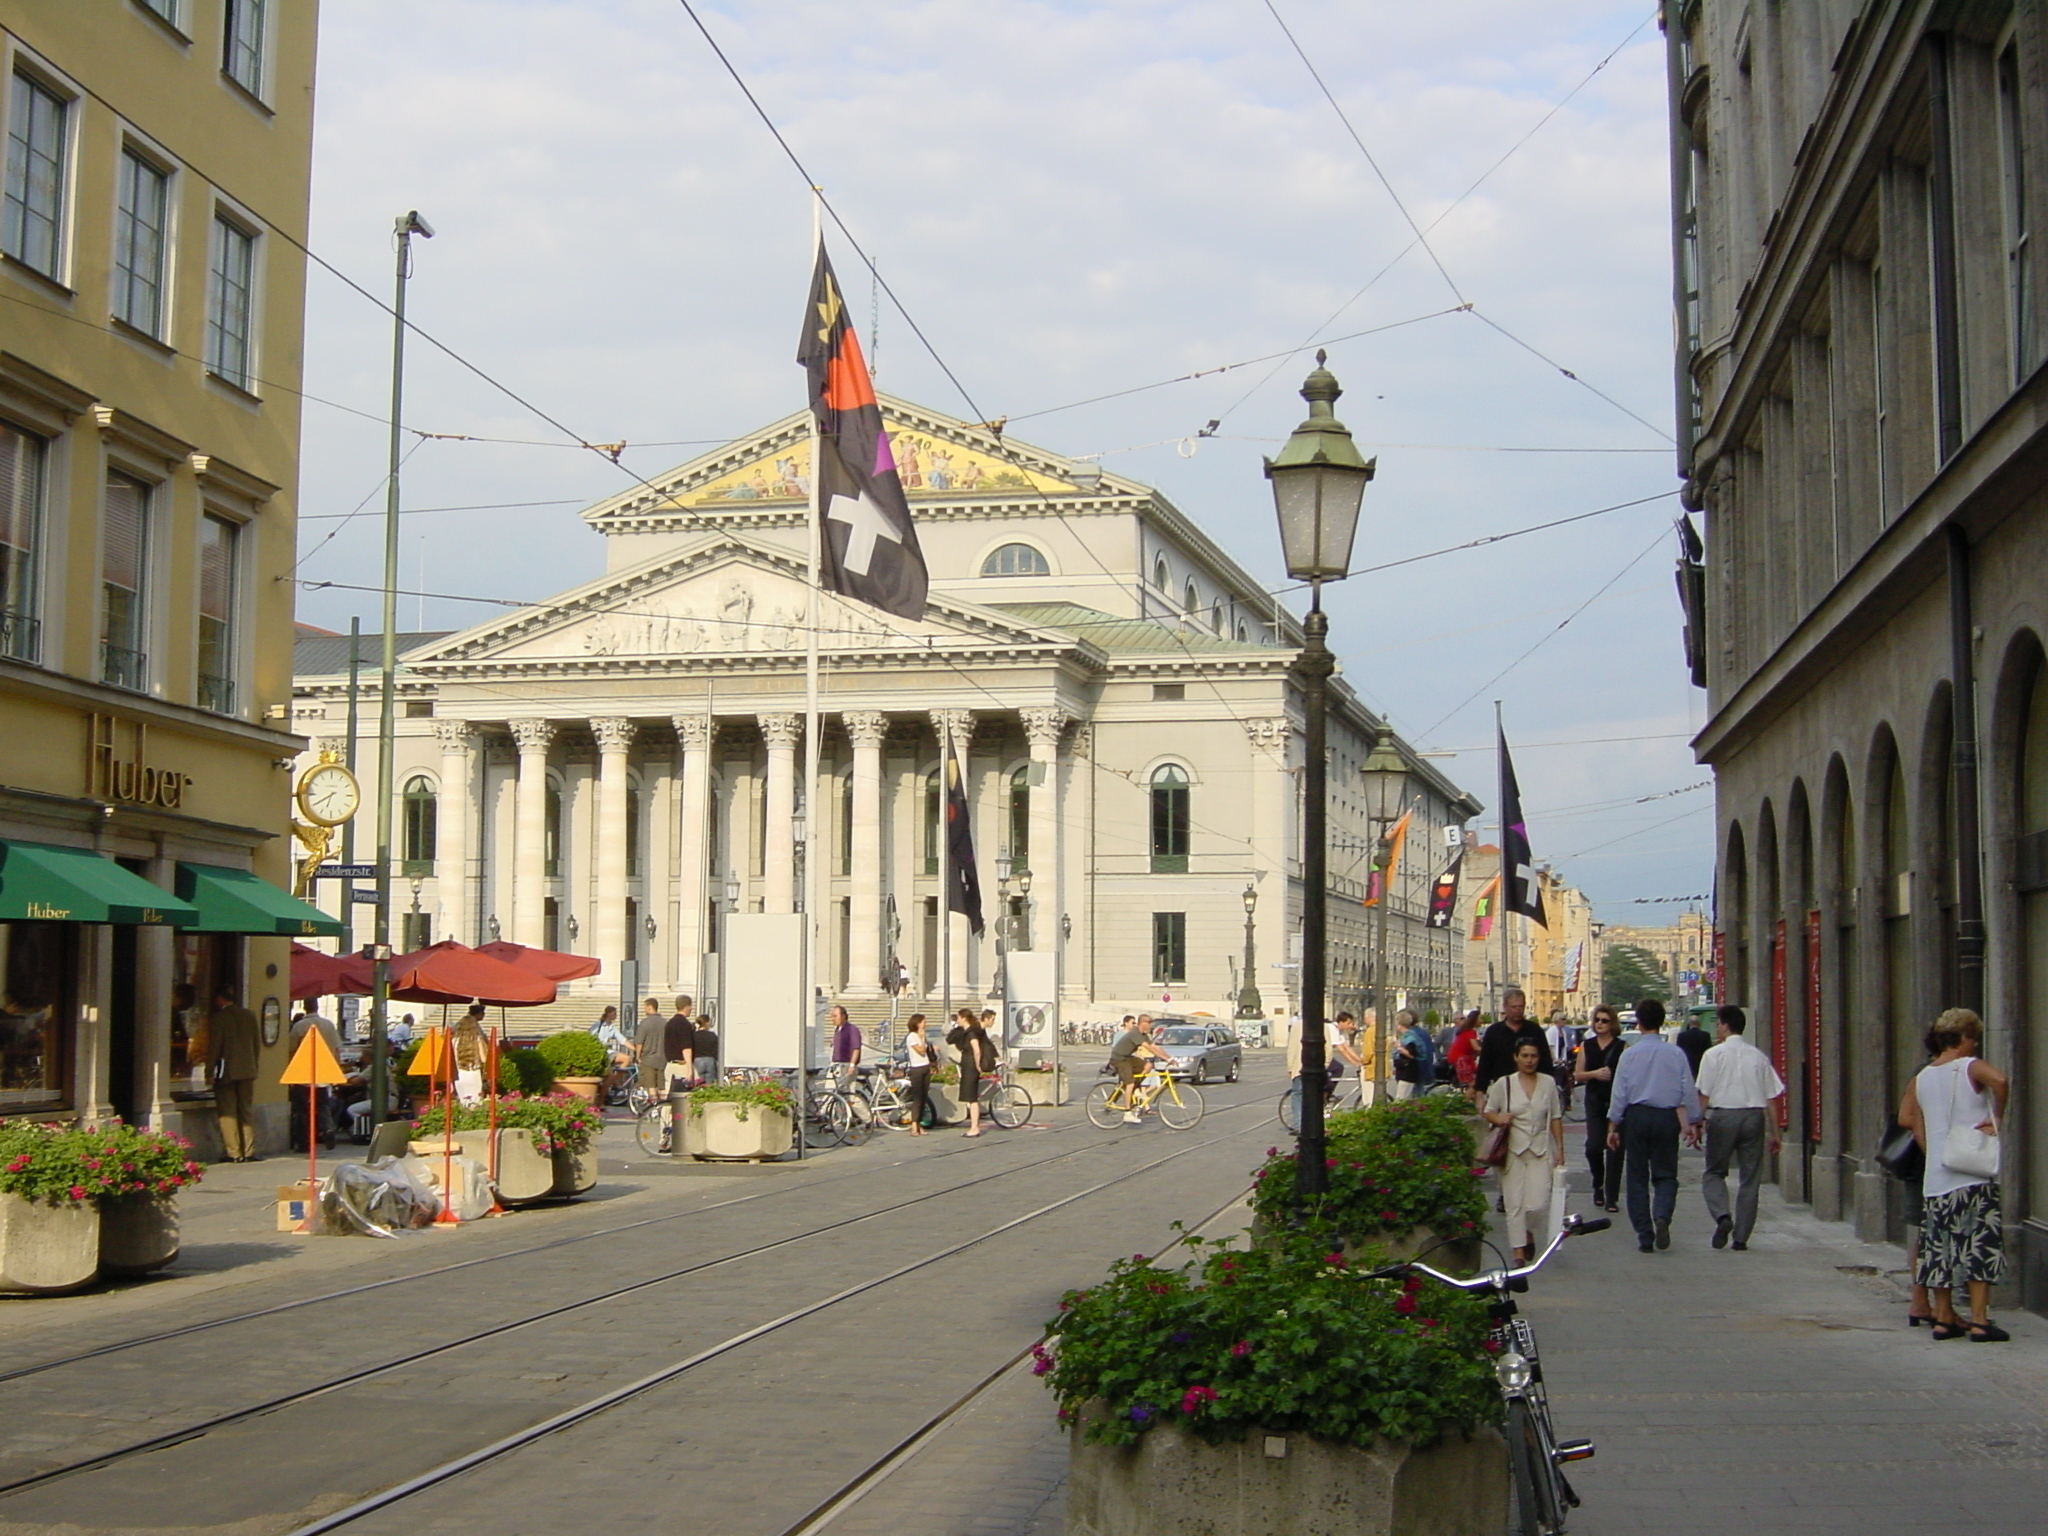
(1900, 1154)
(1494, 1154)
(1966, 1149)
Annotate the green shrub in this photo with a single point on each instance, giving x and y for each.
(69, 1165)
(769, 1095)
(530, 1070)
(575, 1053)
(509, 1080)
(559, 1121)
(1391, 1168)
(1291, 1339)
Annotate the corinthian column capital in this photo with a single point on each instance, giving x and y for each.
(456, 735)
(780, 730)
(694, 731)
(954, 726)
(534, 735)
(1272, 734)
(613, 734)
(1044, 725)
(866, 727)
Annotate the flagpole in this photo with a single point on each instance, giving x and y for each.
(813, 806)
(1501, 899)
(945, 836)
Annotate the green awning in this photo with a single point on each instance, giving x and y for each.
(42, 883)
(235, 901)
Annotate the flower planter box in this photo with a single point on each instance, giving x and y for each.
(945, 1102)
(46, 1249)
(575, 1172)
(1046, 1087)
(1463, 1257)
(588, 1089)
(718, 1134)
(137, 1236)
(524, 1173)
(1173, 1484)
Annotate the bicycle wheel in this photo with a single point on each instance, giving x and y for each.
(1535, 1511)
(892, 1111)
(650, 1126)
(638, 1097)
(1180, 1106)
(860, 1120)
(1009, 1106)
(1290, 1112)
(1100, 1110)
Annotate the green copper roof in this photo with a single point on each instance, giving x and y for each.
(1126, 637)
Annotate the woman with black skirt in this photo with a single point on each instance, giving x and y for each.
(971, 1041)
(1598, 1055)
(918, 1051)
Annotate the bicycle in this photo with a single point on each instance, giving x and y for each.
(1536, 1457)
(1178, 1104)
(1345, 1093)
(629, 1092)
(1003, 1102)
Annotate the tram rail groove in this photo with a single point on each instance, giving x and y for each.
(369, 1373)
(570, 1417)
(17, 1373)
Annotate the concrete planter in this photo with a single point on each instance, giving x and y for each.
(589, 1089)
(525, 1174)
(575, 1172)
(1046, 1087)
(945, 1102)
(46, 1249)
(1465, 1257)
(137, 1236)
(718, 1134)
(1173, 1484)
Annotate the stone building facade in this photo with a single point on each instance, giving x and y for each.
(1864, 424)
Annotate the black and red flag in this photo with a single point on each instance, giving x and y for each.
(1520, 891)
(963, 880)
(1443, 895)
(869, 546)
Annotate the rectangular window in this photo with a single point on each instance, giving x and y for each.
(168, 9)
(1169, 946)
(1881, 423)
(242, 44)
(21, 526)
(139, 227)
(124, 572)
(39, 969)
(218, 540)
(32, 230)
(231, 303)
(1170, 821)
(2012, 146)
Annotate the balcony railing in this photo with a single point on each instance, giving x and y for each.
(217, 693)
(121, 667)
(21, 637)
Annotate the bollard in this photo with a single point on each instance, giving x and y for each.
(678, 1106)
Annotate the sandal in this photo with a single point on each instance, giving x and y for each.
(1943, 1332)
(1988, 1332)
(1920, 1319)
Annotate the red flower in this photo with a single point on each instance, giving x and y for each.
(1196, 1399)
(1334, 1259)
(1404, 1305)
(1240, 1349)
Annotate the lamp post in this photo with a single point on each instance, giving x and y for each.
(729, 904)
(1002, 979)
(412, 940)
(573, 926)
(1249, 1004)
(1386, 785)
(1318, 480)
(1021, 939)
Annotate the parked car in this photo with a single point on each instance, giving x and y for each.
(1203, 1052)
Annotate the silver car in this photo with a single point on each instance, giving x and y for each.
(1202, 1052)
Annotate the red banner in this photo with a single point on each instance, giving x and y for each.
(1779, 1054)
(1813, 1025)
(1720, 966)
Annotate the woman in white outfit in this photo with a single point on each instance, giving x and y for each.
(1526, 1102)
(1962, 1235)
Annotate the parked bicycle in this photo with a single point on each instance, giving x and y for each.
(1536, 1457)
(1178, 1104)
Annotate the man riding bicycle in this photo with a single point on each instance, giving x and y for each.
(1128, 1057)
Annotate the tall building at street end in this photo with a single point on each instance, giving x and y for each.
(1556, 963)
(1683, 950)
(1864, 437)
(151, 293)
(618, 769)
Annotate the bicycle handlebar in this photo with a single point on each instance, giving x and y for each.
(1574, 1226)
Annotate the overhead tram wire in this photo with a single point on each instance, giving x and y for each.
(383, 480)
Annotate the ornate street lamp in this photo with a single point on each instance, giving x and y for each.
(1249, 1004)
(1002, 979)
(1386, 785)
(1319, 479)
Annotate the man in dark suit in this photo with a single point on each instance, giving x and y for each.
(236, 1041)
(1695, 1042)
(1497, 1045)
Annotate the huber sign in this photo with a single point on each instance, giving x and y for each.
(133, 778)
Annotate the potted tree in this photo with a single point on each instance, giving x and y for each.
(51, 1178)
(138, 1205)
(579, 1061)
(1282, 1384)
(739, 1121)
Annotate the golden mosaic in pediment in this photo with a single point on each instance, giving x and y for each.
(929, 466)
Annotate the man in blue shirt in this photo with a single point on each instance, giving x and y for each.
(1654, 1103)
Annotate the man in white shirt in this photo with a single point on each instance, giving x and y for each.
(1562, 1038)
(1742, 1091)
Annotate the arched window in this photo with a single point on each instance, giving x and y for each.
(1170, 821)
(1159, 577)
(1244, 635)
(632, 831)
(1020, 818)
(421, 827)
(551, 833)
(846, 825)
(1190, 600)
(1016, 560)
(931, 823)
(1216, 616)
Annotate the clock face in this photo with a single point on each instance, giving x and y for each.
(328, 794)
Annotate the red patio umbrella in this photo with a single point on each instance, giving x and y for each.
(553, 964)
(317, 975)
(449, 972)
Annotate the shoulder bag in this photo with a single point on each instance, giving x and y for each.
(1493, 1152)
(1967, 1150)
(1899, 1154)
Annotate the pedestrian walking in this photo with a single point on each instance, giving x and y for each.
(679, 1046)
(977, 1058)
(1954, 1108)
(1463, 1051)
(1358, 1044)
(1598, 1055)
(648, 1045)
(1653, 1106)
(235, 1041)
(1498, 1045)
(1526, 1103)
(917, 1052)
(707, 1049)
(846, 1044)
(1695, 1042)
(323, 1113)
(1741, 1092)
(1414, 1056)
(1561, 1038)
(1900, 1155)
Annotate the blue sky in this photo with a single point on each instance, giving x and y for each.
(1070, 199)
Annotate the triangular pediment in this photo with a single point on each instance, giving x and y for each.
(726, 596)
(940, 459)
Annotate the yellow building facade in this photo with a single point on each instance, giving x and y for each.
(157, 175)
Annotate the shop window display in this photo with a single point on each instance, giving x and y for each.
(200, 961)
(38, 1012)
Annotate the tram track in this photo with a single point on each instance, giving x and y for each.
(341, 1381)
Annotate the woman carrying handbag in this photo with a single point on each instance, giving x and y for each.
(1953, 1109)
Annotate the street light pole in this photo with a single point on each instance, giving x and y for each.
(1249, 1004)
(408, 225)
(1385, 775)
(1319, 479)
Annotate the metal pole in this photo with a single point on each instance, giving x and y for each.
(380, 991)
(1380, 998)
(1500, 899)
(814, 808)
(348, 828)
(1314, 666)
